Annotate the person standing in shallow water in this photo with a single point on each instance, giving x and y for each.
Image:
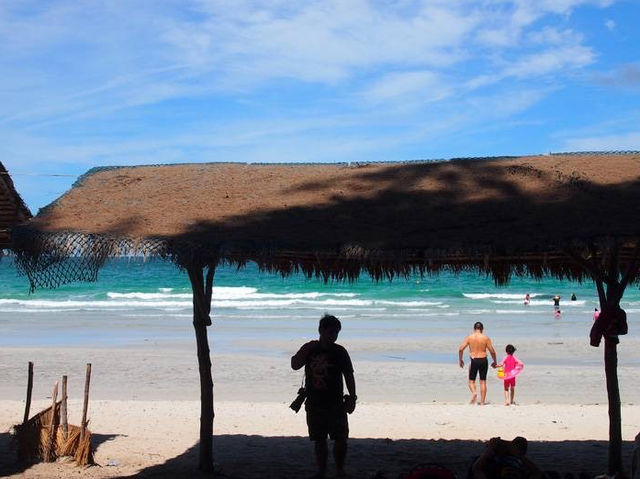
(478, 344)
(325, 364)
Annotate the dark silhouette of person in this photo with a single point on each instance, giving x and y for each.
(325, 364)
(503, 459)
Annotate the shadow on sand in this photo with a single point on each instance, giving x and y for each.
(8, 455)
(249, 457)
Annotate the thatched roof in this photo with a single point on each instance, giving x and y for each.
(12, 208)
(499, 215)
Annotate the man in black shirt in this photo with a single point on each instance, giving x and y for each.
(325, 363)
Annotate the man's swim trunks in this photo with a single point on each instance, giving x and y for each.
(478, 365)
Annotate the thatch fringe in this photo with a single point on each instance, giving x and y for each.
(33, 437)
(50, 260)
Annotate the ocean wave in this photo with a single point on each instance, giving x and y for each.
(514, 311)
(541, 302)
(148, 296)
(128, 301)
(497, 295)
(226, 293)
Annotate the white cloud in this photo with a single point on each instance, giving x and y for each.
(612, 142)
(625, 76)
(324, 41)
(610, 24)
(551, 61)
(75, 59)
(414, 87)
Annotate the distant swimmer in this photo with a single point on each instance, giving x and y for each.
(573, 297)
(527, 299)
(556, 302)
(478, 344)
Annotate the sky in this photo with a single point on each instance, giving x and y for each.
(88, 83)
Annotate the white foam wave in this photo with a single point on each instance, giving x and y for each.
(512, 311)
(119, 301)
(540, 302)
(148, 296)
(497, 295)
(75, 304)
(409, 304)
(226, 293)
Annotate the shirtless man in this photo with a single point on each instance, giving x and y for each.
(478, 344)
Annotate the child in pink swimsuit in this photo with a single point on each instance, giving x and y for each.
(509, 363)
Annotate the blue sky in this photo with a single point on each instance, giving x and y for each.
(91, 83)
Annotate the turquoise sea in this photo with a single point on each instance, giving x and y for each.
(135, 301)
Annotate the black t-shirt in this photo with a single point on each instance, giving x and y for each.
(323, 374)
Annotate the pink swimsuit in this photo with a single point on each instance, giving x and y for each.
(509, 363)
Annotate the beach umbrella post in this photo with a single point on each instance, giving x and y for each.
(609, 325)
(202, 289)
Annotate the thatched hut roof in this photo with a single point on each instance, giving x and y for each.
(12, 209)
(498, 215)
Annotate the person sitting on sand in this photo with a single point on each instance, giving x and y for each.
(478, 344)
(325, 363)
(505, 459)
(509, 363)
(557, 314)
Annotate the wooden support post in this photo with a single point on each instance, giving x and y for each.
(48, 450)
(27, 406)
(85, 404)
(201, 319)
(615, 416)
(607, 272)
(63, 410)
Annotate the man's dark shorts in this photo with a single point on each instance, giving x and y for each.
(322, 422)
(480, 365)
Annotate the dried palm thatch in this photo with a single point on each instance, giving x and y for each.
(33, 439)
(12, 208)
(499, 216)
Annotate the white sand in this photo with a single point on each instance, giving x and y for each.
(261, 439)
(144, 414)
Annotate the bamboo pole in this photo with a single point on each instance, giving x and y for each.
(85, 404)
(63, 409)
(27, 406)
(52, 426)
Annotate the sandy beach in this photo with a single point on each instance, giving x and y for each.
(144, 414)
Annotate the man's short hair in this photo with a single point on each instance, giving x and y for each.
(520, 443)
(478, 325)
(329, 321)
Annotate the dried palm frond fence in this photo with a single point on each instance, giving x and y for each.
(48, 435)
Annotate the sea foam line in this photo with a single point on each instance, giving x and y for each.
(131, 303)
(498, 295)
(224, 293)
